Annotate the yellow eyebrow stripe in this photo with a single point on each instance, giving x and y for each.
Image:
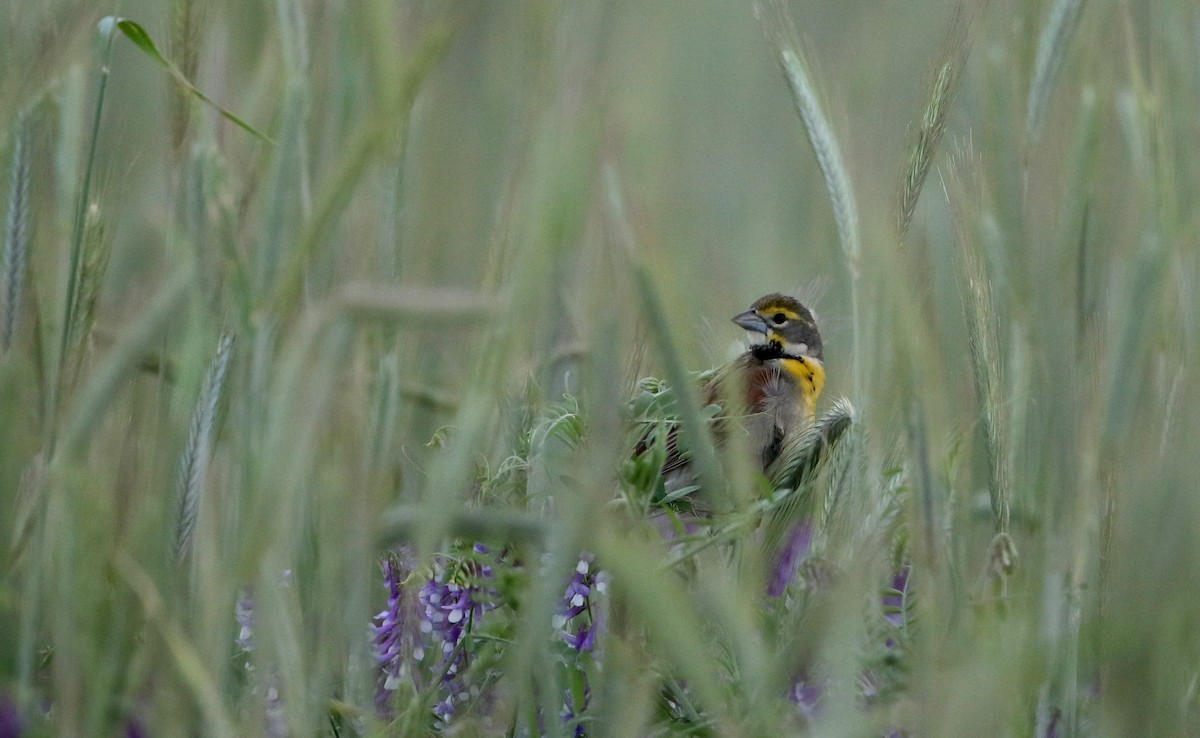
(787, 313)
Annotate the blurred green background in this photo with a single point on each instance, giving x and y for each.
(431, 245)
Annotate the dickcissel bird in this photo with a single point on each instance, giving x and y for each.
(780, 377)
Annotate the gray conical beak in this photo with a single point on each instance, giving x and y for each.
(751, 322)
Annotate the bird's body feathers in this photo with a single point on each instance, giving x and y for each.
(769, 392)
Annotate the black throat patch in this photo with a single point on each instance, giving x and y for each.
(765, 352)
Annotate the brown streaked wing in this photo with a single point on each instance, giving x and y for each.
(762, 381)
(712, 392)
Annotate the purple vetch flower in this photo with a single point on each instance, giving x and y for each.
(793, 553)
(454, 607)
(393, 638)
(435, 620)
(806, 695)
(579, 616)
(450, 610)
(578, 620)
(11, 724)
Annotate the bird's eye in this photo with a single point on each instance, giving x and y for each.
(778, 318)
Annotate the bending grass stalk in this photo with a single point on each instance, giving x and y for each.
(184, 44)
(210, 194)
(669, 616)
(844, 470)
(420, 306)
(106, 381)
(305, 378)
(193, 465)
(829, 156)
(796, 70)
(388, 124)
(288, 198)
(135, 33)
(383, 402)
(299, 403)
(694, 429)
(403, 522)
(983, 339)
(28, 545)
(944, 84)
(189, 663)
(803, 454)
(1051, 51)
(289, 201)
(1078, 208)
(16, 233)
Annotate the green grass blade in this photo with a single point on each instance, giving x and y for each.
(141, 39)
(102, 388)
(16, 235)
(75, 264)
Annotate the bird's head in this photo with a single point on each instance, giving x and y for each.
(780, 326)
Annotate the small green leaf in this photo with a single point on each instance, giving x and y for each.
(135, 33)
(679, 494)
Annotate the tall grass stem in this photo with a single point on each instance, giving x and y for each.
(16, 233)
(75, 263)
(1053, 42)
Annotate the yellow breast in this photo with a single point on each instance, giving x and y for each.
(811, 376)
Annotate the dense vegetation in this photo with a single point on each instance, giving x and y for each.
(327, 330)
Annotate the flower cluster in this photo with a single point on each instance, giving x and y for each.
(430, 636)
(449, 606)
(451, 610)
(579, 617)
(393, 638)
